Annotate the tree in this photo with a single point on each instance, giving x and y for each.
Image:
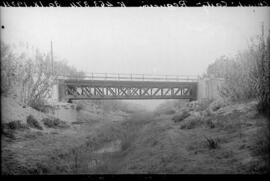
(263, 64)
(30, 78)
(246, 75)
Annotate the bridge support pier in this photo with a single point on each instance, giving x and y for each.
(61, 90)
(208, 88)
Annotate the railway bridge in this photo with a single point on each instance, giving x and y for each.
(127, 86)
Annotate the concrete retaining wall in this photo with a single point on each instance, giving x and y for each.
(55, 93)
(64, 111)
(208, 88)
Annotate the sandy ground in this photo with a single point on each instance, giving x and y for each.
(143, 142)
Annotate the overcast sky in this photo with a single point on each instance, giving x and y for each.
(136, 40)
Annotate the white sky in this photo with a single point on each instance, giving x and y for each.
(136, 40)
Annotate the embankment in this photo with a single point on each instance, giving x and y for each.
(197, 137)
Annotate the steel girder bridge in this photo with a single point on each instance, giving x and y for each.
(127, 86)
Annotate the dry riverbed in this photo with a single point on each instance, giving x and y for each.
(232, 139)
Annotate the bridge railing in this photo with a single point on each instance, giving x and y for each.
(132, 77)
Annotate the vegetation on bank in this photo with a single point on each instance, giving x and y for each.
(246, 84)
(247, 75)
(223, 138)
(30, 76)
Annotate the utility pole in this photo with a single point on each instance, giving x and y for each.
(52, 57)
(262, 29)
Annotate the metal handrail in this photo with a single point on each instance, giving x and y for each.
(133, 77)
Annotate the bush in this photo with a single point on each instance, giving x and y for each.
(40, 105)
(210, 123)
(216, 105)
(54, 123)
(8, 133)
(8, 129)
(192, 122)
(14, 125)
(199, 105)
(32, 122)
(79, 107)
(258, 167)
(263, 64)
(188, 125)
(211, 143)
(262, 143)
(181, 116)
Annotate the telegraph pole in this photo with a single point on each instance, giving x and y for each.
(262, 29)
(52, 57)
(52, 72)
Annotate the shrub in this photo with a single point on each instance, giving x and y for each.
(54, 123)
(40, 105)
(181, 116)
(191, 122)
(262, 143)
(258, 167)
(14, 125)
(32, 122)
(263, 64)
(188, 125)
(212, 143)
(79, 107)
(8, 129)
(125, 145)
(210, 123)
(199, 105)
(8, 133)
(216, 105)
(206, 113)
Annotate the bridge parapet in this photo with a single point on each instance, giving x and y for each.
(133, 77)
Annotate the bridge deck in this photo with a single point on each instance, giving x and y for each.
(113, 83)
(145, 88)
